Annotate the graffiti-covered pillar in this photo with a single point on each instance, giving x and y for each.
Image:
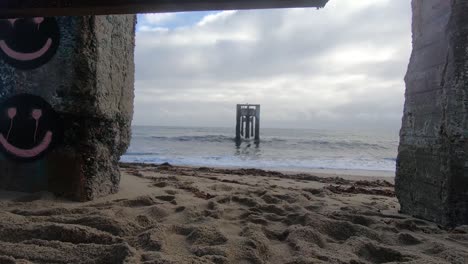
(66, 103)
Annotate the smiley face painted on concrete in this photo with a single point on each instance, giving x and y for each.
(28, 43)
(29, 127)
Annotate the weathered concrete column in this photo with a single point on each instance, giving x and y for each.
(257, 124)
(239, 123)
(66, 103)
(432, 165)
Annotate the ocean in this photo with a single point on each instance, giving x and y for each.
(280, 149)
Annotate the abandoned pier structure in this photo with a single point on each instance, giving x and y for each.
(247, 122)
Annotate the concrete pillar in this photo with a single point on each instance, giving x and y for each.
(432, 164)
(247, 123)
(238, 123)
(66, 103)
(252, 125)
(257, 123)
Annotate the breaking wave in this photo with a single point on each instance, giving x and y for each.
(289, 149)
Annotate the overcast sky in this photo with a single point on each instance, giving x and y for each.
(340, 67)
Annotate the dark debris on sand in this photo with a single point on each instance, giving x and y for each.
(166, 167)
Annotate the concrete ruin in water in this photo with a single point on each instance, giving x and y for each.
(248, 122)
(74, 83)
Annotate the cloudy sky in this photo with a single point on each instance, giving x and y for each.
(340, 67)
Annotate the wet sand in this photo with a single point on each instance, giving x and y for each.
(167, 214)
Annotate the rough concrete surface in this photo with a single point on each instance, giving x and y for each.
(431, 178)
(89, 82)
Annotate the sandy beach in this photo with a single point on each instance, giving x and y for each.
(169, 214)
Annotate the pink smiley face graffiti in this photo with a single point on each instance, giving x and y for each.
(28, 43)
(28, 127)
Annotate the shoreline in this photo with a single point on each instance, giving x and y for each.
(361, 173)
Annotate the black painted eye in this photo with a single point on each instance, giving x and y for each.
(11, 112)
(36, 114)
(12, 21)
(38, 20)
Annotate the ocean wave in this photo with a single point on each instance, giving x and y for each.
(206, 138)
(285, 149)
(342, 144)
(141, 153)
(211, 139)
(274, 140)
(341, 164)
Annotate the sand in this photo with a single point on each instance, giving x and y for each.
(166, 214)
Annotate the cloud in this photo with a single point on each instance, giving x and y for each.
(216, 18)
(340, 67)
(154, 22)
(158, 19)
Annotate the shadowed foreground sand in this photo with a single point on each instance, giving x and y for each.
(166, 214)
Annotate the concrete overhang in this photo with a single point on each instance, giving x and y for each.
(41, 8)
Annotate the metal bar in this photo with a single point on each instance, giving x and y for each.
(28, 8)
